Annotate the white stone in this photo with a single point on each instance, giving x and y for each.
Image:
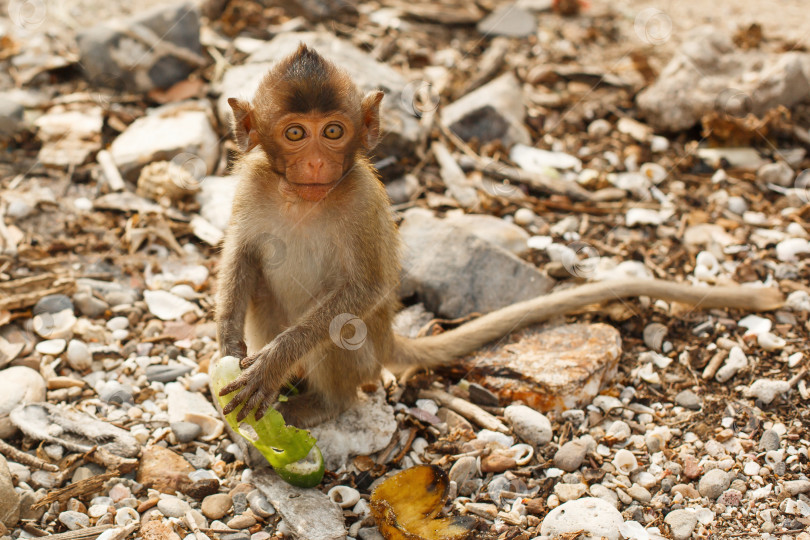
(735, 362)
(766, 390)
(167, 306)
(539, 161)
(790, 249)
(529, 424)
(363, 429)
(51, 346)
(755, 325)
(595, 517)
(78, 355)
(771, 342)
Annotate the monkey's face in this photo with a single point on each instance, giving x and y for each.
(314, 151)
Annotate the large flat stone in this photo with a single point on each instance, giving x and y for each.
(456, 273)
(309, 513)
(549, 368)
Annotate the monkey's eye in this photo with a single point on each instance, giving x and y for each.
(294, 133)
(333, 131)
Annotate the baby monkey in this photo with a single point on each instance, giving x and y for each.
(312, 247)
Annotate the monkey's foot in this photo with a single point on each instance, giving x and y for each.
(308, 409)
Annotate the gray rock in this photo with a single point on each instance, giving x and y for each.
(309, 513)
(115, 392)
(53, 303)
(9, 498)
(363, 429)
(456, 273)
(153, 50)
(318, 10)
(708, 74)
(185, 432)
(176, 132)
(509, 20)
(714, 483)
(592, 516)
(492, 229)
(529, 425)
(492, 112)
(681, 522)
(19, 385)
(399, 118)
(166, 374)
(409, 321)
(90, 306)
(570, 455)
(370, 533)
(75, 430)
(259, 504)
(11, 116)
(688, 400)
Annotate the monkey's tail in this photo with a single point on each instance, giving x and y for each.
(437, 350)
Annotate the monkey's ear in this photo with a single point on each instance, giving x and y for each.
(246, 137)
(371, 118)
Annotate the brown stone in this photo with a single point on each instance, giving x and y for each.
(216, 506)
(691, 468)
(549, 368)
(163, 470)
(688, 491)
(497, 463)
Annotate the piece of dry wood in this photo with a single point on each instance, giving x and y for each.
(105, 458)
(110, 170)
(89, 533)
(458, 186)
(28, 299)
(471, 412)
(76, 489)
(714, 364)
(17, 285)
(19, 456)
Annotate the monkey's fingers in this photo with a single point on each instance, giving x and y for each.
(236, 401)
(248, 361)
(255, 399)
(233, 386)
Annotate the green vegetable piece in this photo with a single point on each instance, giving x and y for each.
(285, 447)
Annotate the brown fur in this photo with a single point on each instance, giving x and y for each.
(290, 266)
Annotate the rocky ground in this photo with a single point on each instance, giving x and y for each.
(526, 150)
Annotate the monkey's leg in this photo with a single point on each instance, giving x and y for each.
(331, 379)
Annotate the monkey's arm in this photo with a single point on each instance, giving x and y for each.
(268, 368)
(237, 279)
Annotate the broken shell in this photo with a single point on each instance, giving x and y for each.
(625, 462)
(211, 427)
(522, 453)
(770, 342)
(654, 335)
(344, 496)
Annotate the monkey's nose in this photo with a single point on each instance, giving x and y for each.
(315, 166)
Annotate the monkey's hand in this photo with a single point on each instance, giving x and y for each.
(259, 384)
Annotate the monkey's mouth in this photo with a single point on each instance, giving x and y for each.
(313, 192)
